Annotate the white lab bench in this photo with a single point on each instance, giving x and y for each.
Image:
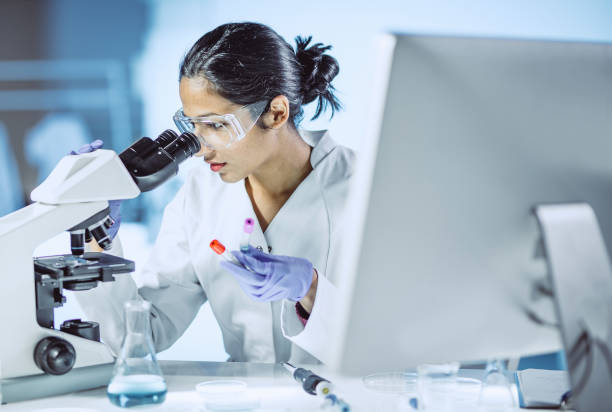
(271, 383)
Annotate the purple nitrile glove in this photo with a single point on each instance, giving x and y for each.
(89, 147)
(273, 277)
(115, 205)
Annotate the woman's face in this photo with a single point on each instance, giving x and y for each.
(243, 157)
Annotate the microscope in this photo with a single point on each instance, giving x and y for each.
(73, 198)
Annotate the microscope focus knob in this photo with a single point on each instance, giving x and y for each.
(54, 356)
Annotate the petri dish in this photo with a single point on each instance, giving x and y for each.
(226, 395)
(65, 410)
(391, 382)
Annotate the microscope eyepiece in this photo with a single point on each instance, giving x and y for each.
(185, 146)
(152, 162)
(166, 137)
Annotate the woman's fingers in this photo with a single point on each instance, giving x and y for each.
(251, 262)
(89, 147)
(243, 275)
(96, 144)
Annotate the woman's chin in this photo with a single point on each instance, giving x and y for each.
(230, 177)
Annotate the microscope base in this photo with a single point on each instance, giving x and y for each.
(43, 385)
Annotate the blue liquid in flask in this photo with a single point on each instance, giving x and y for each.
(136, 390)
(137, 379)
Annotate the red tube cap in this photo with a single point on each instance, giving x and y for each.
(217, 247)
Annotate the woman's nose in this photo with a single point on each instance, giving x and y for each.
(205, 151)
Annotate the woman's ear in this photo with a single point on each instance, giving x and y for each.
(278, 114)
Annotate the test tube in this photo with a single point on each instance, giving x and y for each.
(221, 251)
(246, 235)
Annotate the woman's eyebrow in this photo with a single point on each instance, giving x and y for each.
(206, 114)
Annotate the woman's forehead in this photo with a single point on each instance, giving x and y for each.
(200, 99)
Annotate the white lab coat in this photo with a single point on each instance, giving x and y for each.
(183, 272)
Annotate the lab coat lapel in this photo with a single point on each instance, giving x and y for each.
(242, 319)
(301, 229)
(258, 239)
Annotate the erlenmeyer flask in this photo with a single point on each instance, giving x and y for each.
(137, 378)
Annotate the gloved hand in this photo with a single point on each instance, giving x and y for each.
(273, 277)
(115, 205)
(89, 147)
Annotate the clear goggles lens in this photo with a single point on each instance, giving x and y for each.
(219, 131)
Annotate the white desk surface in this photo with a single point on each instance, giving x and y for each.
(271, 383)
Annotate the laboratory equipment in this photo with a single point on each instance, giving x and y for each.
(137, 379)
(221, 389)
(582, 286)
(316, 385)
(391, 382)
(437, 385)
(73, 198)
(496, 390)
(246, 235)
(542, 388)
(332, 402)
(226, 395)
(220, 250)
(468, 135)
(311, 383)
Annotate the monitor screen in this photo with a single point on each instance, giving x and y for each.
(442, 260)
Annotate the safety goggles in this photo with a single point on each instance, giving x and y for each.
(221, 131)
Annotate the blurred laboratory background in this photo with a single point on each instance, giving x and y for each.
(72, 71)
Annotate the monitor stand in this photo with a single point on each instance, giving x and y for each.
(581, 278)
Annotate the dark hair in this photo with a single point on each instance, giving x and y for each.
(249, 62)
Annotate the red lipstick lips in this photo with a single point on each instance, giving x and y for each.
(215, 167)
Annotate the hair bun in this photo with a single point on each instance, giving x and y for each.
(318, 71)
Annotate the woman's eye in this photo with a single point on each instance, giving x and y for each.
(215, 126)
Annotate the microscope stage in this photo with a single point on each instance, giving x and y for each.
(80, 272)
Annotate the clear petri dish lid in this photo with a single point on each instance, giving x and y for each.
(226, 395)
(65, 410)
(391, 382)
(218, 389)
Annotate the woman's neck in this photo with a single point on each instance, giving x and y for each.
(285, 169)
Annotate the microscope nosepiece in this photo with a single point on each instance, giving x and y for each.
(98, 231)
(108, 222)
(88, 236)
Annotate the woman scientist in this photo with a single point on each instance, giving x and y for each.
(242, 89)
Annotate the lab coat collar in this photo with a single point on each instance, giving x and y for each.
(320, 141)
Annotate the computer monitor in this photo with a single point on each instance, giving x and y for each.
(441, 258)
